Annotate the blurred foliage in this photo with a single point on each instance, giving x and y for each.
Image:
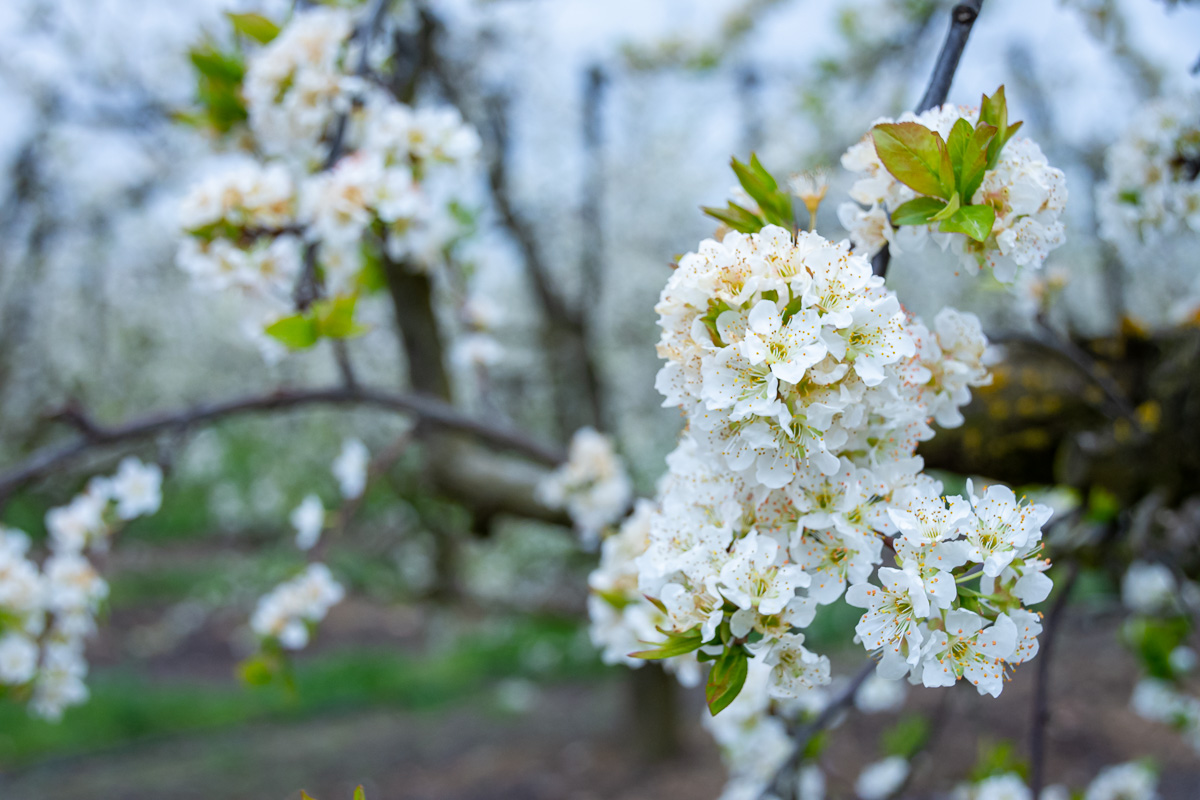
(126, 707)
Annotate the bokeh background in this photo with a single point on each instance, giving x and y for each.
(460, 667)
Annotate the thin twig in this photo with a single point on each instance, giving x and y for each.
(341, 352)
(1041, 707)
(962, 20)
(784, 783)
(432, 411)
(308, 287)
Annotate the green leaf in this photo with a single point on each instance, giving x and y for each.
(359, 794)
(726, 678)
(217, 66)
(906, 737)
(256, 26)
(917, 211)
(956, 144)
(916, 156)
(676, 645)
(975, 161)
(297, 331)
(994, 111)
(256, 671)
(776, 205)
(335, 317)
(305, 795)
(736, 217)
(975, 221)
(997, 759)
(950, 210)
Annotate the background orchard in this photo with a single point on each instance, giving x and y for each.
(410, 394)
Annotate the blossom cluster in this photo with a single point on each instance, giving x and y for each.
(1150, 190)
(1129, 781)
(48, 611)
(1154, 592)
(807, 389)
(1027, 194)
(394, 191)
(593, 485)
(288, 612)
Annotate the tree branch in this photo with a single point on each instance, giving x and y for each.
(431, 411)
(1041, 709)
(785, 783)
(962, 19)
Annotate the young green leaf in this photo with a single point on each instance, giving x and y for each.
(256, 26)
(994, 111)
(776, 205)
(975, 160)
(975, 221)
(297, 331)
(335, 317)
(736, 217)
(917, 211)
(218, 66)
(305, 795)
(949, 211)
(726, 678)
(359, 794)
(957, 144)
(676, 645)
(916, 156)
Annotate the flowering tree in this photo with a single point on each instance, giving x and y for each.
(816, 406)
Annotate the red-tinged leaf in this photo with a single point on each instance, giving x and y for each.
(726, 679)
(974, 221)
(918, 211)
(913, 154)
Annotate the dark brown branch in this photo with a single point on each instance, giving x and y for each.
(962, 19)
(308, 287)
(430, 411)
(1041, 707)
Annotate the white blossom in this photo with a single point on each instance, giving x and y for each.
(350, 468)
(881, 779)
(287, 611)
(308, 519)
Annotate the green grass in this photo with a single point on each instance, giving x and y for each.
(127, 707)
